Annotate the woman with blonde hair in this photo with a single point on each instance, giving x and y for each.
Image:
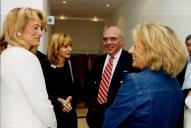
(24, 99)
(152, 98)
(60, 80)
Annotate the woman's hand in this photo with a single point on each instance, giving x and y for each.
(66, 104)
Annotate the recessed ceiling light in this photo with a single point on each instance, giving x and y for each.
(62, 17)
(107, 5)
(64, 2)
(95, 19)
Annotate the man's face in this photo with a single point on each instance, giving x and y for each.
(112, 41)
(188, 45)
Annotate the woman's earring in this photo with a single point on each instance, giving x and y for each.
(18, 34)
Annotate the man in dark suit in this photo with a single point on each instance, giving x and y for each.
(180, 78)
(113, 41)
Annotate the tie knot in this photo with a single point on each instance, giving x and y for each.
(111, 59)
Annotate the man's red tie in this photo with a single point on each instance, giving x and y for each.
(105, 82)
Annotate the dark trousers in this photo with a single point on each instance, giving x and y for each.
(95, 116)
(67, 120)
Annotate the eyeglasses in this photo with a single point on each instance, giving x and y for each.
(105, 39)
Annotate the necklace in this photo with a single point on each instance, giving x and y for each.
(55, 66)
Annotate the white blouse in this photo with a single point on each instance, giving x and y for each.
(24, 100)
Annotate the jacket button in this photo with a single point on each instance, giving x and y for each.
(121, 82)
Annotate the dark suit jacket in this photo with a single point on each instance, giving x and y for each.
(180, 78)
(43, 61)
(96, 111)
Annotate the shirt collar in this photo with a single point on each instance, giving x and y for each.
(116, 56)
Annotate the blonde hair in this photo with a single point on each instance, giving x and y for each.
(15, 22)
(57, 41)
(163, 49)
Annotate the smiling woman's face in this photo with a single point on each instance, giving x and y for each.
(138, 54)
(32, 33)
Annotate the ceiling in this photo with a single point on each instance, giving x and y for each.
(84, 8)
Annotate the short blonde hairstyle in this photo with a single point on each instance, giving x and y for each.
(57, 41)
(15, 22)
(163, 50)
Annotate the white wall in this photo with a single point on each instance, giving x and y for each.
(86, 35)
(7, 5)
(173, 13)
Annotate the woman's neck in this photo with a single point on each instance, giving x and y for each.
(60, 62)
